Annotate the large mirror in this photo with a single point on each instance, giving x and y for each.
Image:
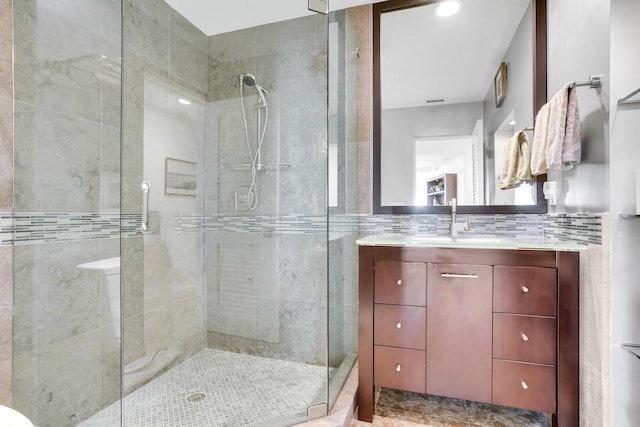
(449, 92)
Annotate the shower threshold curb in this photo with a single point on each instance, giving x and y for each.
(342, 412)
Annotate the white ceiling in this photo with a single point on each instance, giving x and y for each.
(219, 16)
(455, 58)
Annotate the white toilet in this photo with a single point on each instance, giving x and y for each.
(12, 418)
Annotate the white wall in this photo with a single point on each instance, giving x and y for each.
(625, 242)
(578, 47)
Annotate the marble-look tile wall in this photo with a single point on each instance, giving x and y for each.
(6, 193)
(595, 331)
(275, 282)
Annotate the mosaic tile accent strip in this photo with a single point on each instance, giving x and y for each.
(38, 227)
(241, 390)
(581, 228)
(30, 228)
(284, 224)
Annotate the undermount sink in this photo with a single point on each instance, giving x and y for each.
(459, 239)
(416, 240)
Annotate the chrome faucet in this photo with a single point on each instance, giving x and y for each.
(454, 227)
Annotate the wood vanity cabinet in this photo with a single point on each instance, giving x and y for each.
(489, 325)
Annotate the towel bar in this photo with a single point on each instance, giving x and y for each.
(593, 82)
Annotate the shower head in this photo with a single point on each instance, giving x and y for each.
(251, 81)
(248, 79)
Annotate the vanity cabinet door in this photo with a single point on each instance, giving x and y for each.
(459, 328)
(524, 338)
(525, 290)
(400, 326)
(399, 368)
(524, 385)
(401, 283)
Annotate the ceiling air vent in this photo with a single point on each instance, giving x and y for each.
(434, 101)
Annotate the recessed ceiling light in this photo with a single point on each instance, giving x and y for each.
(184, 101)
(512, 122)
(447, 8)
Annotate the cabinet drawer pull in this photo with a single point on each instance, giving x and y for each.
(524, 336)
(399, 325)
(398, 368)
(399, 282)
(522, 383)
(459, 276)
(524, 289)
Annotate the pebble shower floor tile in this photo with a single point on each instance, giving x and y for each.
(241, 390)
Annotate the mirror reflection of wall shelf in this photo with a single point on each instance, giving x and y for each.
(632, 98)
(441, 189)
(409, 36)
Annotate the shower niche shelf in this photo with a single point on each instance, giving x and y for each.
(262, 167)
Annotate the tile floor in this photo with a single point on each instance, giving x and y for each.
(405, 409)
(241, 390)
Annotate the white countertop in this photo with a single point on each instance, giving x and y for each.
(480, 242)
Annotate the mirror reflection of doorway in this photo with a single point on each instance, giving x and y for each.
(439, 156)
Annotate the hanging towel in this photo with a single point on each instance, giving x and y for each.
(516, 166)
(572, 146)
(563, 140)
(557, 127)
(539, 144)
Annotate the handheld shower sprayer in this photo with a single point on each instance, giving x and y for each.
(251, 81)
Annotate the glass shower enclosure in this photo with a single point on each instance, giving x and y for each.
(171, 251)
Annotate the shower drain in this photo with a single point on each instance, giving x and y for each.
(196, 397)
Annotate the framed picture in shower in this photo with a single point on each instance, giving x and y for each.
(180, 178)
(500, 84)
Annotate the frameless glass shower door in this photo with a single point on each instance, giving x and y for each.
(66, 220)
(225, 294)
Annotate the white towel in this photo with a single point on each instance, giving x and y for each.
(539, 144)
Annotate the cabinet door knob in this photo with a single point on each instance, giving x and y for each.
(399, 282)
(524, 336)
(399, 325)
(398, 368)
(524, 289)
(522, 383)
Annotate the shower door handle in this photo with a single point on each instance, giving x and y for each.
(145, 206)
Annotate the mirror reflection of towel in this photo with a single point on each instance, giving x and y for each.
(539, 144)
(516, 166)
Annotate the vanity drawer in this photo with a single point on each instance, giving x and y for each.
(525, 290)
(403, 283)
(399, 368)
(524, 338)
(524, 385)
(400, 326)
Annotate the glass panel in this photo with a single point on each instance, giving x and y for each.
(66, 287)
(266, 236)
(343, 202)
